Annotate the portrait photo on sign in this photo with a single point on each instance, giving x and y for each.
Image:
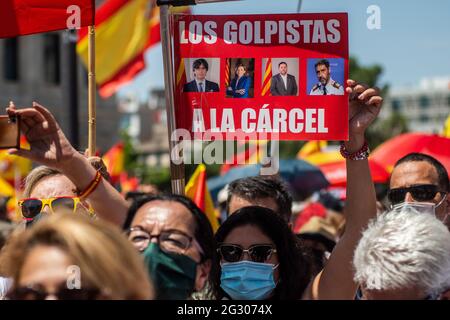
(325, 77)
(202, 75)
(239, 77)
(280, 76)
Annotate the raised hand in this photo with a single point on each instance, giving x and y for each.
(49, 145)
(365, 104)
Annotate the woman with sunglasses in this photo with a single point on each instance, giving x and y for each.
(335, 281)
(76, 177)
(71, 257)
(260, 258)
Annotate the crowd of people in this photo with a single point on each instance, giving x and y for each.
(81, 239)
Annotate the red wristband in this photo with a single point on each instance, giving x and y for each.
(91, 187)
(361, 154)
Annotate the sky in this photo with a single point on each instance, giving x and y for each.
(413, 42)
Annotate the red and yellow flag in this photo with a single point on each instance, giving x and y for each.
(125, 29)
(114, 161)
(227, 72)
(6, 190)
(22, 17)
(122, 33)
(197, 190)
(181, 74)
(267, 79)
(127, 183)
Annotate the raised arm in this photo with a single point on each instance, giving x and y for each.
(50, 147)
(336, 279)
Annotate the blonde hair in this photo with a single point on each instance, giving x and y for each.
(105, 257)
(41, 172)
(36, 175)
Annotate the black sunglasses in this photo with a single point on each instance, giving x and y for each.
(37, 293)
(257, 253)
(421, 192)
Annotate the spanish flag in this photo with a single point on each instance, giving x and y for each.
(22, 17)
(127, 183)
(197, 190)
(114, 161)
(267, 79)
(181, 74)
(125, 29)
(14, 167)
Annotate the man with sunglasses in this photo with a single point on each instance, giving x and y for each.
(420, 178)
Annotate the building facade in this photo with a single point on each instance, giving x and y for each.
(31, 70)
(425, 107)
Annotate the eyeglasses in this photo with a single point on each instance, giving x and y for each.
(169, 241)
(39, 293)
(422, 192)
(31, 207)
(257, 253)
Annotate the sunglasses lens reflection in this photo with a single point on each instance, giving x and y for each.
(63, 203)
(231, 253)
(31, 208)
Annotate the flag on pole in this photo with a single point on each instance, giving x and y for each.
(122, 29)
(197, 190)
(446, 131)
(267, 80)
(22, 17)
(125, 29)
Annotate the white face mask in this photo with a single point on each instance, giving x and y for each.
(422, 207)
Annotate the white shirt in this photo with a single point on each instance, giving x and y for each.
(203, 82)
(284, 80)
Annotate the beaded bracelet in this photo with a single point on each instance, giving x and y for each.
(361, 154)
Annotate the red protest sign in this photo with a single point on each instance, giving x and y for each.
(281, 76)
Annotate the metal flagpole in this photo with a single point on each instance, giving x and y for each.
(91, 93)
(176, 164)
(70, 84)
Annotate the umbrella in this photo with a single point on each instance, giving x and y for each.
(302, 177)
(336, 172)
(389, 152)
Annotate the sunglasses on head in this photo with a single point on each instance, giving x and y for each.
(257, 253)
(31, 207)
(421, 192)
(37, 293)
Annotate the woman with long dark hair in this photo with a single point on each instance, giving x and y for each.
(260, 258)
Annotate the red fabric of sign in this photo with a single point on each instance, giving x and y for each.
(314, 108)
(22, 17)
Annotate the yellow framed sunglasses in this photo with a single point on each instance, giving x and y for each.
(31, 207)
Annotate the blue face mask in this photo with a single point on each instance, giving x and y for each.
(248, 280)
